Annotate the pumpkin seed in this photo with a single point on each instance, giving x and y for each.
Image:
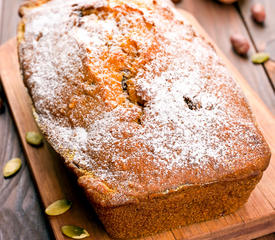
(260, 57)
(34, 138)
(74, 232)
(58, 207)
(12, 167)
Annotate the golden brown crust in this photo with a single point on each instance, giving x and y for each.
(142, 109)
(190, 205)
(28, 5)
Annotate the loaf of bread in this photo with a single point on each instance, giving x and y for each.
(142, 109)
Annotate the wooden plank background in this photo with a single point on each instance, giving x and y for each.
(21, 214)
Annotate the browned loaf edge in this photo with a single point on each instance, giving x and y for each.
(142, 211)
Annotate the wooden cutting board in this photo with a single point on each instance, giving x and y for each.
(256, 218)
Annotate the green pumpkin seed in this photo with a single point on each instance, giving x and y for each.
(12, 167)
(260, 57)
(58, 207)
(74, 232)
(34, 138)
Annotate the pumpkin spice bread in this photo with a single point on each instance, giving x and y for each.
(143, 110)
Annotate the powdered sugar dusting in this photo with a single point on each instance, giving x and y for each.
(182, 120)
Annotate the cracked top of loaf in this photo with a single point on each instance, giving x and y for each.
(134, 99)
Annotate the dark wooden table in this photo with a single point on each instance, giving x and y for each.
(21, 214)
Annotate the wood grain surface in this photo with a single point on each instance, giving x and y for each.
(21, 214)
(261, 34)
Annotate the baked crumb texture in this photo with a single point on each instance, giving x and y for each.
(142, 109)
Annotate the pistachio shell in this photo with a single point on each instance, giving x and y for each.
(58, 207)
(12, 167)
(260, 57)
(34, 138)
(74, 232)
